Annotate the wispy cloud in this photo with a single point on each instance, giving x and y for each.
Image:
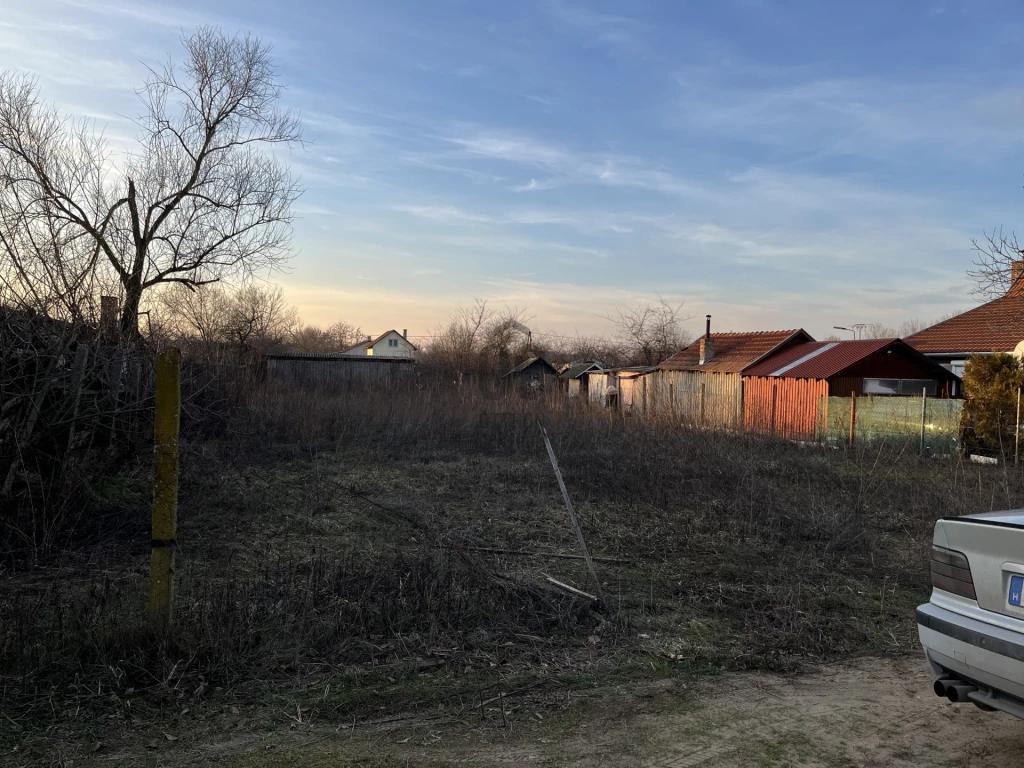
(621, 32)
(568, 166)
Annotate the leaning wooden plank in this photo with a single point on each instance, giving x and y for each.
(569, 587)
(568, 506)
(530, 553)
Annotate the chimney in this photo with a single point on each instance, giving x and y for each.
(707, 347)
(1016, 270)
(108, 318)
(405, 334)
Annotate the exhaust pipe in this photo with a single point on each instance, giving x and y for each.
(957, 692)
(940, 685)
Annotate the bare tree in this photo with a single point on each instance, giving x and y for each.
(200, 199)
(507, 338)
(202, 313)
(259, 318)
(906, 328)
(651, 332)
(335, 338)
(457, 346)
(994, 258)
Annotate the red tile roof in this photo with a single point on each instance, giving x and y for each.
(824, 359)
(733, 351)
(994, 327)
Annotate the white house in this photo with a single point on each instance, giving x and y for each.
(390, 344)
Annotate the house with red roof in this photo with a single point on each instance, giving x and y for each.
(703, 383)
(782, 393)
(391, 344)
(997, 326)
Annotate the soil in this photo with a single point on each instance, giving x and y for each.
(867, 712)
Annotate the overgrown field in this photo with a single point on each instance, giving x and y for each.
(366, 555)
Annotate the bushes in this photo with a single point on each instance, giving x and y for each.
(991, 383)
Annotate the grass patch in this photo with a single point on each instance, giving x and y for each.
(371, 554)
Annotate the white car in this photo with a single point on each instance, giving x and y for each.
(972, 628)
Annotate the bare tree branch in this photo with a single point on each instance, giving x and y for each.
(202, 198)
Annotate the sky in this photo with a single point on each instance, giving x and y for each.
(777, 164)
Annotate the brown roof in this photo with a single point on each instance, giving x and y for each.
(824, 359)
(733, 351)
(994, 327)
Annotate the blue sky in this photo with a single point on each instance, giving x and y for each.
(777, 164)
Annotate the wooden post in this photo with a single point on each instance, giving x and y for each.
(77, 379)
(572, 512)
(1016, 436)
(165, 484)
(924, 417)
(853, 414)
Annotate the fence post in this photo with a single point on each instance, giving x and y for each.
(165, 484)
(1016, 436)
(853, 414)
(77, 379)
(924, 413)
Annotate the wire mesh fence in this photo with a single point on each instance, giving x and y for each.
(931, 423)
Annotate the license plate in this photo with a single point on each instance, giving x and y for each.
(1016, 588)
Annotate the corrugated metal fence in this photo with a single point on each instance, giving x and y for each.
(784, 407)
(706, 399)
(793, 409)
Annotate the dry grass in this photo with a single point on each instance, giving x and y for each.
(325, 536)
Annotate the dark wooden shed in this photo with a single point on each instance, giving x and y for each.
(535, 373)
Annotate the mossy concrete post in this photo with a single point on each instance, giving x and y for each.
(165, 484)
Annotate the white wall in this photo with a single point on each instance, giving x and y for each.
(402, 349)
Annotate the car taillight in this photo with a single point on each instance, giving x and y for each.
(951, 572)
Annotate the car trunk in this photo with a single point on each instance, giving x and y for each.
(994, 546)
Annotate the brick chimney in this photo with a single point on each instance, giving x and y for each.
(405, 334)
(707, 347)
(1016, 270)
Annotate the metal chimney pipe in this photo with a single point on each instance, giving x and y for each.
(707, 331)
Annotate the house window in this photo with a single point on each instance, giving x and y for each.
(881, 386)
(917, 386)
(910, 387)
(392, 342)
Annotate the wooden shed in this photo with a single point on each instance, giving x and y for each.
(534, 374)
(623, 388)
(703, 383)
(783, 394)
(576, 378)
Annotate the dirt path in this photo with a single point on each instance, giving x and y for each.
(864, 713)
(867, 713)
